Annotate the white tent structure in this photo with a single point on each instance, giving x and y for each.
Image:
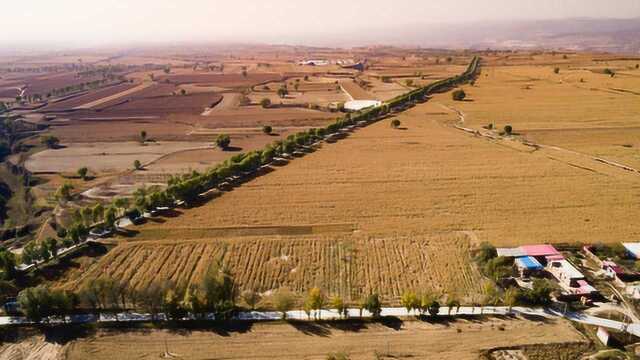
(356, 105)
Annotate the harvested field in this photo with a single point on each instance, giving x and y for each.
(459, 340)
(103, 157)
(185, 127)
(46, 83)
(355, 91)
(159, 106)
(299, 257)
(89, 98)
(222, 80)
(429, 178)
(32, 348)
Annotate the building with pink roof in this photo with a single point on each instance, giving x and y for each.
(539, 250)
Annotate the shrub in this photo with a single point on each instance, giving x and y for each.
(283, 92)
(539, 295)
(223, 141)
(498, 267)
(486, 252)
(458, 95)
(508, 129)
(137, 165)
(50, 141)
(556, 70)
(265, 103)
(283, 300)
(82, 172)
(395, 123)
(267, 129)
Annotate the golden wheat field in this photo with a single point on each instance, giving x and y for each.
(394, 209)
(345, 265)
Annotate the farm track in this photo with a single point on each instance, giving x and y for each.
(493, 137)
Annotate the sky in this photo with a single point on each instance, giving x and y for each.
(113, 22)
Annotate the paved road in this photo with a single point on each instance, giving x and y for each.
(333, 314)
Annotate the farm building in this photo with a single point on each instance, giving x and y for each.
(539, 250)
(571, 279)
(633, 249)
(356, 105)
(528, 265)
(314, 62)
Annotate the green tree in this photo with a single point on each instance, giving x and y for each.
(64, 192)
(193, 301)
(458, 95)
(511, 297)
(223, 141)
(337, 303)
(110, 217)
(372, 304)
(7, 264)
(97, 213)
(35, 303)
(315, 301)
(51, 246)
(265, 103)
(267, 129)
(556, 70)
(395, 123)
(137, 164)
(485, 253)
(508, 129)
(143, 136)
(50, 141)
(409, 301)
(283, 92)
(171, 304)
(82, 172)
(87, 216)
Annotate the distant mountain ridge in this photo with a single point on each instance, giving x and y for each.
(587, 34)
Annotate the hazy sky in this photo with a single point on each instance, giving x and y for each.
(102, 22)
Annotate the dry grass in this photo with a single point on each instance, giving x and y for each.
(413, 339)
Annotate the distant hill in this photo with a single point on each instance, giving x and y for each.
(614, 35)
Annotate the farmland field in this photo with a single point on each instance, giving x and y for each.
(429, 178)
(327, 256)
(581, 108)
(413, 339)
(395, 204)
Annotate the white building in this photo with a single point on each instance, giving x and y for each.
(356, 105)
